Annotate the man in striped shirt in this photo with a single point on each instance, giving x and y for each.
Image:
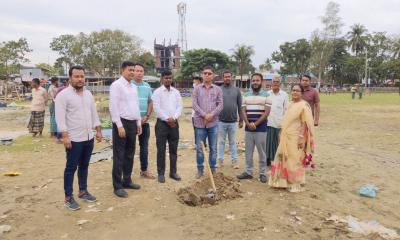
(255, 108)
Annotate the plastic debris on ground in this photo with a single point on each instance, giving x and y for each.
(368, 190)
(365, 228)
(6, 141)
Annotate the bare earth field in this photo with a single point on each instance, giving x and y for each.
(357, 143)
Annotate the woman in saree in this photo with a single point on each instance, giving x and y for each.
(295, 145)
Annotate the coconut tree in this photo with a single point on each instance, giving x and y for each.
(357, 38)
(242, 55)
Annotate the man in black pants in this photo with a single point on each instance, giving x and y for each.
(125, 114)
(167, 104)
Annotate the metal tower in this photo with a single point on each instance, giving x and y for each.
(182, 41)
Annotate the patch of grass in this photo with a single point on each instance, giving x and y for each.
(374, 99)
(28, 144)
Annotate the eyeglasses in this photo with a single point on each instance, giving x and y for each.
(207, 73)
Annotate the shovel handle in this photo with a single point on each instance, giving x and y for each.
(208, 167)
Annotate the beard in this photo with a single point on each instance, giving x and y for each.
(256, 88)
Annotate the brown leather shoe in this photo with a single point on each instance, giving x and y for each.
(146, 174)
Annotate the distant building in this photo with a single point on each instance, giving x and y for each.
(167, 57)
(29, 73)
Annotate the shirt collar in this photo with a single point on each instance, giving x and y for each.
(204, 86)
(165, 89)
(124, 81)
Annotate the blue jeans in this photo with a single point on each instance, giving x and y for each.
(78, 157)
(223, 130)
(201, 135)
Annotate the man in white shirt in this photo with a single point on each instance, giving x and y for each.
(76, 117)
(280, 102)
(125, 115)
(167, 102)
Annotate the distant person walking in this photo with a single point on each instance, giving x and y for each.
(38, 105)
(360, 91)
(353, 91)
(52, 91)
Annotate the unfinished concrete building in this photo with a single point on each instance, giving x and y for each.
(167, 57)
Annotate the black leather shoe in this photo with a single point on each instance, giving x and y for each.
(131, 186)
(121, 193)
(161, 179)
(175, 176)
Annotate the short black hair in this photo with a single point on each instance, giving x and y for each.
(257, 74)
(300, 86)
(307, 76)
(226, 72)
(208, 67)
(166, 73)
(77, 67)
(53, 80)
(198, 78)
(139, 64)
(36, 80)
(126, 64)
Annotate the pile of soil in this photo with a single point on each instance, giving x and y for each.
(200, 193)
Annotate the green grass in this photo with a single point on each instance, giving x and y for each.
(374, 99)
(27, 144)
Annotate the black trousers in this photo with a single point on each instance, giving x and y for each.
(123, 152)
(164, 134)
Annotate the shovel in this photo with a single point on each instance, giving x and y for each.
(212, 192)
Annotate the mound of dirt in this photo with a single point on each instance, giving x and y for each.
(200, 193)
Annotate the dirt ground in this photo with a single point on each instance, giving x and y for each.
(357, 143)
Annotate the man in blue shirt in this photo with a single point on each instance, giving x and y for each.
(146, 108)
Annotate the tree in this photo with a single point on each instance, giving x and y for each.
(69, 47)
(322, 42)
(337, 61)
(100, 52)
(242, 56)
(294, 56)
(266, 66)
(196, 59)
(12, 54)
(395, 48)
(354, 69)
(357, 38)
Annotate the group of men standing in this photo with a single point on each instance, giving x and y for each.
(217, 113)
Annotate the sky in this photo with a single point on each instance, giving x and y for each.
(215, 24)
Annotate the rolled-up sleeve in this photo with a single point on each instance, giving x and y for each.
(113, 105)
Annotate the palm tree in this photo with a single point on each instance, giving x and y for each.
(357, 38)
(242, 55)
(396, 48)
